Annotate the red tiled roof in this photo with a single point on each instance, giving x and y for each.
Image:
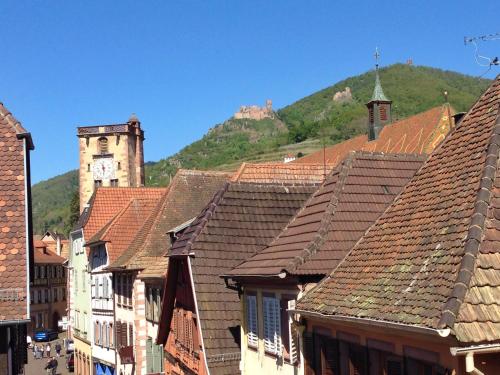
(122, 229)
(241, 220)
(419, 134)
(432, 259)
(108, 201)
(353, 196)
(302, 173)
(13, 231)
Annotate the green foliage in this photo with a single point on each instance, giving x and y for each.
(51, 202)
(412, 89)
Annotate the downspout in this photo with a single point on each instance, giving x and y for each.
(469, 352)
(197, 314)
(469, 364)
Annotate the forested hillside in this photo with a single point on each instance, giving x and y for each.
(298, 128)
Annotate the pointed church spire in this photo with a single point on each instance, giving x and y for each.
(378, 93)
(379, 106)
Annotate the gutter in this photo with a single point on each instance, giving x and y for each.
(469, 352)
(374, 322)
(197, 314)
(14, 322)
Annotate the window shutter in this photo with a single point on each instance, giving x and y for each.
(149, 355)
(131, 335)
(252, 320)
(330, 354)
(124, 334)
(309, 363)
(358, 359)
(394, 367)
(118, 329)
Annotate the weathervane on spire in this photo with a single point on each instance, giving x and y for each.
(377, 56)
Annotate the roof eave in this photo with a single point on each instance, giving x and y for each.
(378, 323)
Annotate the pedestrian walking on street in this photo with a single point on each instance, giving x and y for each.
(47, 350)
(38, 354)
(58, 349)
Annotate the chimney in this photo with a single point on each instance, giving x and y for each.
(58, 244)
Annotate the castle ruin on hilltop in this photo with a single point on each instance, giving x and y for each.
(255, 112)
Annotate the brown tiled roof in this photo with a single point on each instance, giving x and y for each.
(122, 229)
(432, 259)
(188, 194)
(302, 173)
(353, 196)
(44, 256)
(13, 251)
(241, 220)
(106, 202)
(418, 134)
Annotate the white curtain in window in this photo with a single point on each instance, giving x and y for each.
(252, 320)
(272, 325)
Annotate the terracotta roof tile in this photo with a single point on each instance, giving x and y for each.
(188, 193)
(281, 173)
(122, 229)
(419, 134)
(431, 259)
(241, 219)
(13, 251)
(353, 196)
(106, 202)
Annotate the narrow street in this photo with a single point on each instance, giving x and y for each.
(37, 366)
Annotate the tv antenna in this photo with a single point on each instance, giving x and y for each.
(484, 61)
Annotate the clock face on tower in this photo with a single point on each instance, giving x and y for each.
(104, 169)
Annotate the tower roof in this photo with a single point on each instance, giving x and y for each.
(378, 93)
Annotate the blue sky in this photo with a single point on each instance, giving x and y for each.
(183, 66)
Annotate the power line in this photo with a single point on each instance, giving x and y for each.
(481, 60)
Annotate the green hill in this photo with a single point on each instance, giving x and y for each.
(297, 129)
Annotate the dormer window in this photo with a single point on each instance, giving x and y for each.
(103, 145)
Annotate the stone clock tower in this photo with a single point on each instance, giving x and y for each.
(110, 155)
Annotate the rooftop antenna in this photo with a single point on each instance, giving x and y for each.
(484, 61)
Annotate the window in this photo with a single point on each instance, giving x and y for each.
(111, 336)
(383, 113)
(75, 277)
(37, 272)
(119, 166)
(83, 280)
(42, 272)
(56, 294)
(46, 296)
(88, 167)
(114, 182)
(252, 333)
(64, 294)
(103, 145)
(96, 333)
(40, 300)
(272, 325)
(97, 183)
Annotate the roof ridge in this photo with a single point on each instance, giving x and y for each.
(205, 216)
(475, 231)
(395, 155)
(320, 236)
(197, 172)
(239, 172)
(11, 120)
